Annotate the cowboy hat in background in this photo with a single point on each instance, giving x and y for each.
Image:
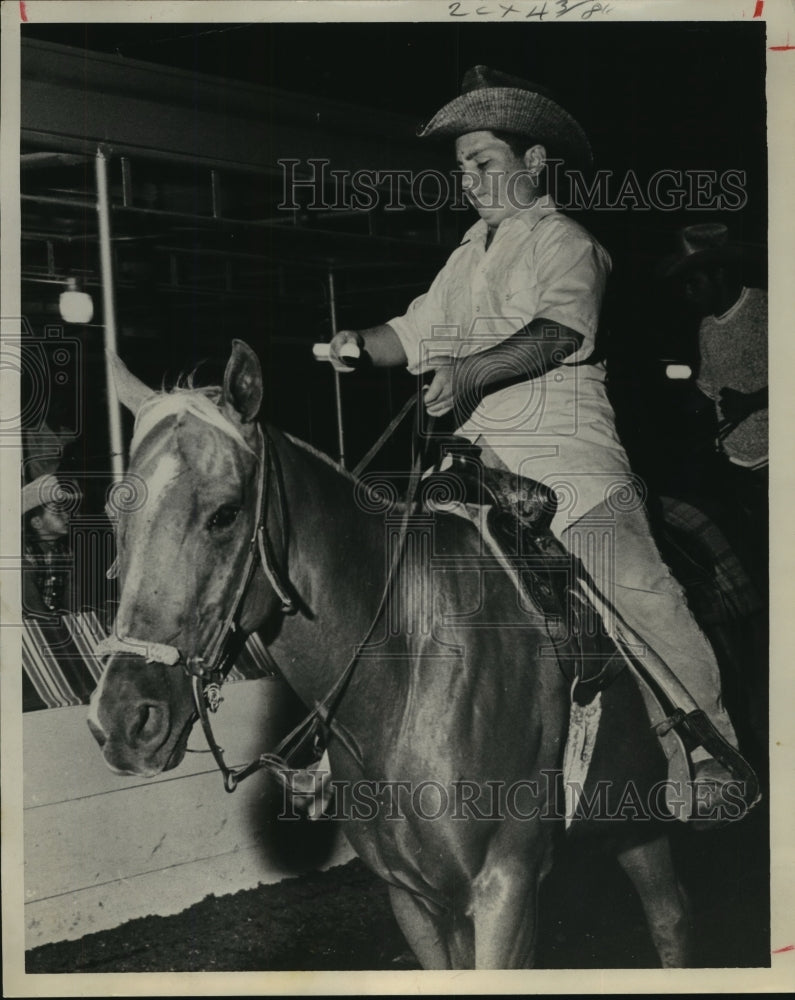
(48, 490)
(491, 100)
(43, 449)
(702, 246)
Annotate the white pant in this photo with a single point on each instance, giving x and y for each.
(617, 550)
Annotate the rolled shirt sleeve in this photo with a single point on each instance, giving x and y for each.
(407, 327)
(568, 284)
(426, 314)
(547, 267)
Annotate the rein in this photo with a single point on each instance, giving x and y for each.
(207, 693)
(208, 672)
(319, 721)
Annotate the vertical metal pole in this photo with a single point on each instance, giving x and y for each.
(109, 313)
(126, 182)
(337, 388)
(215, 192)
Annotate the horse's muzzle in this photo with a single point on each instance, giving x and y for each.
(141, 715)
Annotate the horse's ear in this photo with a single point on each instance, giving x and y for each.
(243, 381)
(130, 390)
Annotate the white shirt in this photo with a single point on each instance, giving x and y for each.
(558, 428)
(733, 350)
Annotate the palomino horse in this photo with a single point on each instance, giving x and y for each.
(455, 698)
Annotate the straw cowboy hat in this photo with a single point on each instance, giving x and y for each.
(491, 100)
(46, 490)
(701, 246)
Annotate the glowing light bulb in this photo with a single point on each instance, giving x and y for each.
(75, 306)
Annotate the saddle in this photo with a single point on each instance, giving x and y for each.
(519, 512)
(518, 519)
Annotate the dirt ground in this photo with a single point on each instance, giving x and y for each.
(341, 919)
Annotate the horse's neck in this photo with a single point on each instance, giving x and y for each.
(336, 563)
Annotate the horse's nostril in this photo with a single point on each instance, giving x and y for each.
(97, 733)
(147, 723)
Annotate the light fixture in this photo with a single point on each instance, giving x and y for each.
(75, 306)
(678, 371)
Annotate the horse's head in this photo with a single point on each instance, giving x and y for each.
(182, 547)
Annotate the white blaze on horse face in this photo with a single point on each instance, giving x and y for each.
(190, 472)
(166, 471)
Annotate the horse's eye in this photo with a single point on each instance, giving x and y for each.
(223, 517)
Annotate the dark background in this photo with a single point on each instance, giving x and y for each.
(651, 96)
(660, 94)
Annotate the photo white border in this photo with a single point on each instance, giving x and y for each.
(779, 16)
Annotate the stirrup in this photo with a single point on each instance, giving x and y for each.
(696, 730)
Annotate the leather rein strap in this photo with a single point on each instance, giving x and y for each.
(208, 672)
(319, 722)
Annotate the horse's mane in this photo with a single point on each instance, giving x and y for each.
(214, 394)
(185, 383)
(170, 402)
(378, 492)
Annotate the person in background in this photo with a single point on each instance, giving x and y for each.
(706, 272)
(46, 517)
(732, 338)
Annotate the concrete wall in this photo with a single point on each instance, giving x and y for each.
(101, 849)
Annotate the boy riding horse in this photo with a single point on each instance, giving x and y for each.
(508, 328)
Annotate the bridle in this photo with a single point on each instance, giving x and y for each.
(208, 672)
